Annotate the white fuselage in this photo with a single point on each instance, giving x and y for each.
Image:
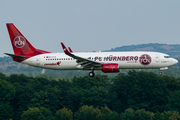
(126, 60)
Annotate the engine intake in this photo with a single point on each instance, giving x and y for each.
(110, 68)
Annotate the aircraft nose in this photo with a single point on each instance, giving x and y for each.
(174, 61)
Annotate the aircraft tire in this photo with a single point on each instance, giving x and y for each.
(160, 73)
(91, 74)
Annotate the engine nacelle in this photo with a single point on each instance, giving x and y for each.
(110, 68)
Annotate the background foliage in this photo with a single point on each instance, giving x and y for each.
(137, 95)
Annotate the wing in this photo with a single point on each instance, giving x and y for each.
(84, 62)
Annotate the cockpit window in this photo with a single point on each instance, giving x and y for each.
(166, 56)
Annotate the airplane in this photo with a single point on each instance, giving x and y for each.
(107, 62)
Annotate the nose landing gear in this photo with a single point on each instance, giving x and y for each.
(164, 68)
(160, 73)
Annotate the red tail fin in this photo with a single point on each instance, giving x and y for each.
(20, 44)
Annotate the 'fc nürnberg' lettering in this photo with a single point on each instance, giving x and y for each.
(19, 41)
(115, 58)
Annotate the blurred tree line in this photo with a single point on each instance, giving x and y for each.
(132, 96)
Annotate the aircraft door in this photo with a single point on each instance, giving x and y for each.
(157, 58)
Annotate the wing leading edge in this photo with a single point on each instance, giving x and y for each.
(83, 62)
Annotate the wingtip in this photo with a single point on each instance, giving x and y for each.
(70, 50)
(65, 49)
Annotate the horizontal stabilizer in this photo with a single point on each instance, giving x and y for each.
(17, 56)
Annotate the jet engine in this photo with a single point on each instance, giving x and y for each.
(110, 68)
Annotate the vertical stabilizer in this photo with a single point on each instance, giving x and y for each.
(20, 44)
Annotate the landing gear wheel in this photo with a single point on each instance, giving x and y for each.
(160, 73)
(91, 74)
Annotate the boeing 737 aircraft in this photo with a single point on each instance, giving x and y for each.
(108, 62)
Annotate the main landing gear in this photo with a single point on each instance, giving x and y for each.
(91, 74)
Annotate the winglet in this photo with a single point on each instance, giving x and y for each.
(65, 49)
(70, 50)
